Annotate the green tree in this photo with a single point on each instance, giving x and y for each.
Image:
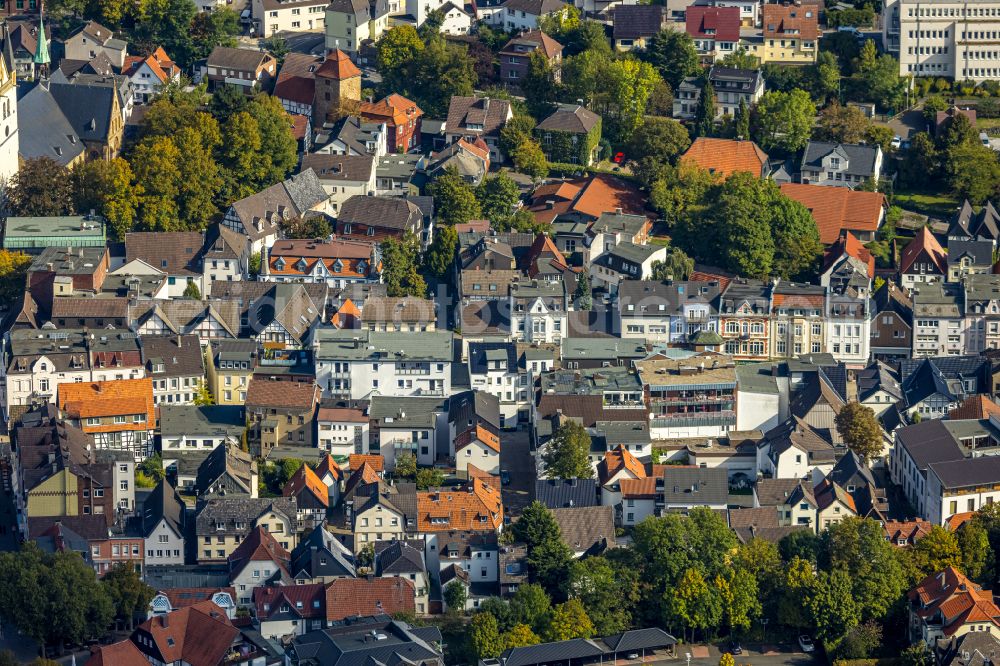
(429, 477)
(694, 603)
(860, 430)
(455, 597)
(406, 466)
(858, 547)
(826, 76)
(454, 199)
(567, 455)
(936, 551)
(841, 124)
(129, 595)
(498, 197)
(399, 267)
(539, 85)
(878, 80)
(583, 296)
(740, 59)
(438, 72)
(795, 588)
(796, 239)
(608, 593)
(107, 188)
(744, 229)
(861, 642)
(799, 544)
(520, 635)
(704, 116)
(228, 100)
(921, 161)
(917, 655)
(158, 174)
(622, 91)
(662, 139)
(974, 544)
(972, 172)
(191, 291)
(530, 605)
(957, 130)
(742, 127)
(308, 228)
(398, 47)
(221, 27)
(677, 266)
(441, 253)
(202, 395)
(529, 159)
(783, 120)
(13, 271)
(568, 621)
(739, 594)
(485, 636)
(548, 556)
(240, 150)
(832, 606)
(517, 130)
(40, 188)
(673, 54)
(278, 147)
(152, 467)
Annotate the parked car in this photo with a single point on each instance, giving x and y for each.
(735, 648)
(806, 643)
(619, 158)
(896, 142)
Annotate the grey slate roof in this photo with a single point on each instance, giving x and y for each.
(861, 159)
(545, 653)
(967, 472)
(46, 132)
(590, 528)
(321, 543)
(180, 355)
(474, 405)
(695, 486)
(163, 503)
(349, 644)
(648, 298)
(480, 353)
(635, 21)
(571, 118)
(639, 639)
(88, 108)
(196, 420)
(979, 251)
(399, 558)
(929, 442)
(245, 510)
(385, 212)
(565, 493)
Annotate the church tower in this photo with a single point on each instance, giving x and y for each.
(338, 89)
(9, 145)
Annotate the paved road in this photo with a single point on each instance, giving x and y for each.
(304, 42)
(908, 123)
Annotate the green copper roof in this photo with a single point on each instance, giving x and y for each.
(42, 50)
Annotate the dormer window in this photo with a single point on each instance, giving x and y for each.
(300, 265)
(279, 264)
(338, 266)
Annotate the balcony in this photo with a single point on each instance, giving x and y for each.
(708, 419)
(413, 371)
(697, 399)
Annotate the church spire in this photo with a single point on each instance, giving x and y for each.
(42, 58)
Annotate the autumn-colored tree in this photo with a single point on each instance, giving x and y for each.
(860, 430)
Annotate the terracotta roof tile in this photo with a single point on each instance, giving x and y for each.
(122, 653)
(790, 21)
(199, 635)
(305, 479)
(338, 66)
(259, 546)
(122, 397)
(478, 433)
(347, 597)
(606, 194)
(718, 23)
(477, 507)
(375, 461)
(329, 466)
(288, 395)
(909, 530)
(923, 241)
(305, 601)
(638, 488)
(848, 244)
(958, 599)
(727, 156)
(975, 407)
(616, 460)
(838, 209)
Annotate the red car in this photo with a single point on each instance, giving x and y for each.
(619, 158)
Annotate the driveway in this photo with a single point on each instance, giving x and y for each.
(908, 123)
(303, 42)
(516, 458)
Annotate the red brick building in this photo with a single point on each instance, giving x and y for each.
(401, 118)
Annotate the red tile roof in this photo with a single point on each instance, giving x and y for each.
(606, 194)
(790, 21)
(259, 546)
(924, 241)
(338, 66)
(346, 597)
(718, 23)
(617, 460)
(121, 397)
(305, 480)
(976, 407)
(376, 461)
(329, 465)
(639, 488)
(910, 531)
(838, 209)
(958, 599)
(477, 433)
(200, 635)
(477, 506)
(395, 110)
(702, 276)
(122, 653)
(959, 519)
(305, 601)
(726, 156)
(181, 597)
(345, 317)
(849, 244)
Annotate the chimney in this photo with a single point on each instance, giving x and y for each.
(164, 621)
(618, 211)
(180, 341)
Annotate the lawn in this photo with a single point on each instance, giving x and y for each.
(926, 203)
(987, 123)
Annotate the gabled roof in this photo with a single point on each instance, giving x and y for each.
(837, 209)
(923, 244)
(481, 115)
(284, 395)
(860, 158)
(477, 433)
(122, 653)
(958, 600)
(849, 245)
(476, 506)
(718, 23)
(637, 21)
(534, 38)
(321, 539)
(571, 118)
(305, 480)
(975, 407)
(199, 635)
(727, 156)
(297, 601)
(909, 531)
(122, 397)
(259, 546)
(348, 597)
(242, 60)
(586, 528)
(799, 21)
(615, 461)
(163, 503)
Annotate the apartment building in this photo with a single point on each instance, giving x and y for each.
(732, 87)
(336, 263)
(715, 31)
(949, 38)
(357, 364)
(799, 322)
(745, 319)
(694, 397)
(229, 365)
(280, 413)
(222, 524)
(274, 16)
(494, 368)
(538, 310)
(669, 312)
(939, 329)
(790, 34)
(175, 365)
(117, 415)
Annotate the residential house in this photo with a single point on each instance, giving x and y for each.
(625, 262)
(343, 176)
(946, 605)
(342, 431)
(401, 118)
(567, 493)
(841, 164)
(939, 325)
(401, 559)
(295, 85)
(466, 557)
(520, 15)
(150, 74)
(174, 363)
(732, 87)
(571, 134)
(366, 597)
(168, 600)
(400, 174)
(225, 256)
(335, 262)
(229, 366)
(715, 31)
(311, 495)
(471, 118)
(538, 310)
(684, 488)
(969, 257)
(350, 23)
(494, 368)
(321, 558)
(670, 312)
(794, 499)
(280, 413)
(210, 320)
(223, 523)
(260, 215)
(795, 450)
(749, 12)
(905, 533)
(586, 199)
(515, 56)
(615, 468)
(20, 43)
(197, 634)
(90, 537)
(790, 34)
(923, 260)
(576, 353)
(257, 561)
(163, 525)
(376, 218)
(727, 156)
(969, 225)
(188, 433)
(227, 472)
(839, 209)
(965, 484)
(586, 530)
(471, 160)
(249, 69)
(93, 39)
(289, 610)
(406, 313)
(273, 16)
(117, 415)
(634, 25)
(351, 641)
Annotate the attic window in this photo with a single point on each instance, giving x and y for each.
(280, 264)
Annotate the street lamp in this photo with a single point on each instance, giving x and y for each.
(763, 622)
(688, 655)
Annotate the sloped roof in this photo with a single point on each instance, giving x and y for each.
(259, 546)
(305, 480)
(347, 597)
(571, 118)
(923, 242)
(101, 399)
(727, 156)
(616, 460)
(549, 47)
(784, 21)
(849, 245)
(199, 635)
(636, 21)
(836, 209)
(718, 23)
(959, 601)
(338, 66)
